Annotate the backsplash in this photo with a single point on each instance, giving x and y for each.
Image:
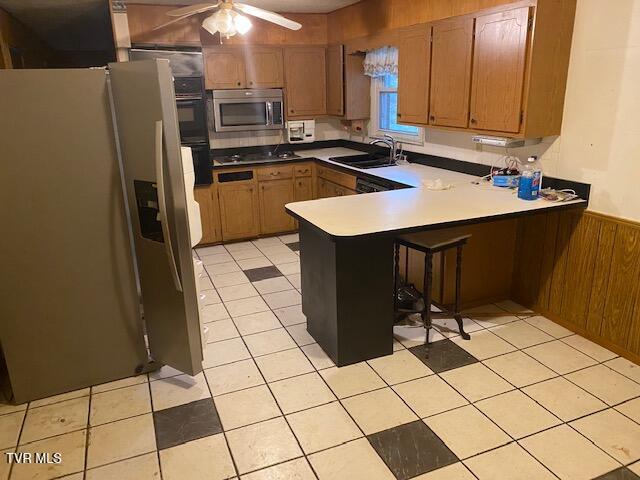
(459, 146)
(326, 129)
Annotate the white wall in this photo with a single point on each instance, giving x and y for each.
(326, 129)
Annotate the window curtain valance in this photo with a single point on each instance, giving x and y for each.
(381, 61)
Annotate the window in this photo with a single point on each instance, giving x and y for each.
(384, 98)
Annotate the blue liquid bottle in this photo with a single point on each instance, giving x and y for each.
(530, 180)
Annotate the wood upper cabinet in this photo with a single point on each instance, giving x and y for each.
(224, 67)
(348, 88)
(414, 64)
(305, 81)
(207, 198)
(143, 19)
(498, 70)
(263, 67)
(335, 80)
(239, 209)
(451, 56)
(274, 195)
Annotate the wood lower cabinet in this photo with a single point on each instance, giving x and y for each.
(498, 70)
(414, 67)
(224, 68)
(452, 49)
(207, 198)
(305, 81)
(245, 203)
(239, 209)
(303, 189)
(274, 195)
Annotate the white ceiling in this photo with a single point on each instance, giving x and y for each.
(289, 6)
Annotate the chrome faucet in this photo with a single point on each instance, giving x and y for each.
(390, 142)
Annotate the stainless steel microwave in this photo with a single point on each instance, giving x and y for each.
(246, 110)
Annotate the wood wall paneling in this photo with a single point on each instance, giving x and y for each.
(313, 32)
(144, 18)
(370, 17)
(589, 277)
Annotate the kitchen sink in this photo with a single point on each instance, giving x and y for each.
(364, 161)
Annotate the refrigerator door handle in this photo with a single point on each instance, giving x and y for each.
(162, 208)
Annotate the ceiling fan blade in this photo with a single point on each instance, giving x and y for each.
(158, 27)
(268, 16)
(192, 9)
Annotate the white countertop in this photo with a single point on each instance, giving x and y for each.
(408, 208)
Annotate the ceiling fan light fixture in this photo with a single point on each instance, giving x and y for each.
(242, 23)
(221, 21)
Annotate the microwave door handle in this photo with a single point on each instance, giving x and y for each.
(162, 208)
(269, 113)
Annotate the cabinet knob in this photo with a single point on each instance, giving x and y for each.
(238, 84)
(399, 115)
(292, 111)
(432, 118)
(473, 120)
(250, 83)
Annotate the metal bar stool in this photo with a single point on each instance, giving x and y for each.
(431, 243)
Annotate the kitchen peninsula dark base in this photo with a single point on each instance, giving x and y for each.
(347, 287)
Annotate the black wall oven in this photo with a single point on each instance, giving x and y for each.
(188, 71)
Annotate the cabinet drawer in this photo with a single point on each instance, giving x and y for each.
(339, 178)
(303, 170)
(275, 173)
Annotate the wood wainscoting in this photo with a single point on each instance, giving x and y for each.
(582, 270)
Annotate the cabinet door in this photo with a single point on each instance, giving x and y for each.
(238, 210)
(303, 189)
(451, 72)
(335, 80)
(207, 198)
(224, 68)
(357, 88)
(263, 67)
(414, 64)
(498, 70)
(274, 195)
(305, 81)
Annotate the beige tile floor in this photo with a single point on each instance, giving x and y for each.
(531, 401)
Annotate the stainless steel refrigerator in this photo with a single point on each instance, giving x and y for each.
(95, 243)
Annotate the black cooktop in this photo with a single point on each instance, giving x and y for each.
(256, 157)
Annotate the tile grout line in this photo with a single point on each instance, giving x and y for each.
(517, 388)
(154, 426)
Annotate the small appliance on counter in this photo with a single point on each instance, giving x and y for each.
(301, 131)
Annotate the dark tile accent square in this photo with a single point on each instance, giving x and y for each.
(257, 274)
(181, 424)
(411, 449)
(622, 473)
(443, 355)
(295, 246)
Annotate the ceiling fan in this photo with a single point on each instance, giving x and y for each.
(228, 19)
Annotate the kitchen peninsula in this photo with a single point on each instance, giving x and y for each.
(346, 250)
